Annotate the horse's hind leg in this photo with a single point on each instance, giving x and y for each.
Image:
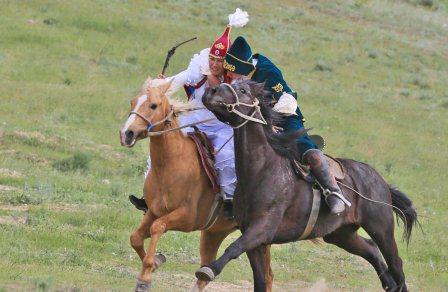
(347, 238)
(382, 232)
(210, 242)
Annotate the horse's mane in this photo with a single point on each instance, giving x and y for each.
(283, 143)
(179, 106)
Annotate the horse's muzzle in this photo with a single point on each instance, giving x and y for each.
(128, 138)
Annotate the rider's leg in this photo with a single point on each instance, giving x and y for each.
(225, 166)
(319, 166)
(321, 171)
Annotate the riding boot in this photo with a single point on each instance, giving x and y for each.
(140, 204)
(321, 171)
(227, 209)
(227, 204)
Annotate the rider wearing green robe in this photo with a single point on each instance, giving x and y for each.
(242, 64)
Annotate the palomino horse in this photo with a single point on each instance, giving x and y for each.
(177, 190)
(272, 205)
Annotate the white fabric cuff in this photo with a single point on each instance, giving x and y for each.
(286, 104)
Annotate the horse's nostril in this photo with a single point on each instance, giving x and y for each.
(213, 91)
(129, 134)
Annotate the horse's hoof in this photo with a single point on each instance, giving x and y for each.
(142, 286)
(159, 259)
(205, 274)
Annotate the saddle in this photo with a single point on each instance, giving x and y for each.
(303, 171)
(206, 153)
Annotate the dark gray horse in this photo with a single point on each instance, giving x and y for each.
(272, 204)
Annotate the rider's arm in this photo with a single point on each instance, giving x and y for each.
(196, 71)
(286, 102)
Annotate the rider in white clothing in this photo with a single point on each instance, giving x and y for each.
(206, 69)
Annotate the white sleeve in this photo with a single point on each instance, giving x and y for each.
(198, 67)
(178, 81)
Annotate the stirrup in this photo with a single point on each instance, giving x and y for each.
(327, 192)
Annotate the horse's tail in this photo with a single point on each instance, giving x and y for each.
(406, 212)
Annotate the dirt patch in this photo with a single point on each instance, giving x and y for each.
(13, 220)
(19, 208)
(225, 286)
(185, 282)
(319, 286)
(36, 135)
(10, 173)
(295, 286)
(5, 188)
(73, 207)
(54, 207)
(8, 151)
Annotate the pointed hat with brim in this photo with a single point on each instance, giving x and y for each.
(239, 57)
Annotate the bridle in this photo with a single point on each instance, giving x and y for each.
(167, 120)
(232, 108)
(148, 121)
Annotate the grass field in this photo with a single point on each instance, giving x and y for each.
(371, 75)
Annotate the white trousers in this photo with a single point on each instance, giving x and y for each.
(218, 133)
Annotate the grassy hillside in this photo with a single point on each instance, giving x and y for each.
(372, 79)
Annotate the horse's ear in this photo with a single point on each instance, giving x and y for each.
(165, 86)
(257, 88)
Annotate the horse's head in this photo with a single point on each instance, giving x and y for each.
(147, 108)
(233, 104)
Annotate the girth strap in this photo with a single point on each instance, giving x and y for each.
(213, 214)
(313, 215)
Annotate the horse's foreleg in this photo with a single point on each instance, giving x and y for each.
(268, 274)
(210, 242)
(255, 235)
(259, 261)
(173, 220)
(140, 234)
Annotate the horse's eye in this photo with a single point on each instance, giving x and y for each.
(243, 91)
(153, 106)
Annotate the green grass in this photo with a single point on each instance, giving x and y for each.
(371, 76)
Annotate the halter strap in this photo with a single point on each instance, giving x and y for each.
(231, 107)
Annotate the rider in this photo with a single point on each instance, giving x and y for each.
(241, 64)
(206, 69)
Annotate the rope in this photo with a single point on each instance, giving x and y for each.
(222, 146)
(231, 107)
(178, 111)
(175, 112)
(159, 133)
(378, 202)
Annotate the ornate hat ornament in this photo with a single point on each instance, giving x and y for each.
(238, 19)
